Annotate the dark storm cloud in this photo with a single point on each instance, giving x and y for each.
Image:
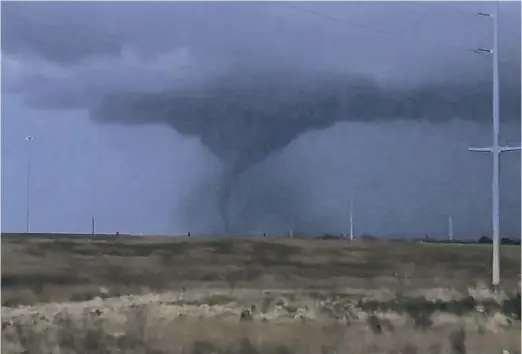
(261, 74)
(243, 119)
(372, 37)
(37, 29)
(270, 109)
(70, 32)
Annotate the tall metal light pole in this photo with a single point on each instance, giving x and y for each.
(450, 228)
(28, 138)
(495, 149)
(351, 219)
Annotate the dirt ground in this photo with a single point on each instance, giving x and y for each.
(79, 294)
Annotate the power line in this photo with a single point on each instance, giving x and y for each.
(114, 40)
(333, 18)
(377, 31)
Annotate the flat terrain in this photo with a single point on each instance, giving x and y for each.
(246, 295)
(73, 267)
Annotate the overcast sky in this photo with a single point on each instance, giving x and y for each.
(406, 173)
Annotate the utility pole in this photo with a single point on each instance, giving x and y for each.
(495, 149)
(92, 226)
(351, 219)
(450, 228)
(28, 138)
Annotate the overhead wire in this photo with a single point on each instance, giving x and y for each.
(115, 40)
(375, 30)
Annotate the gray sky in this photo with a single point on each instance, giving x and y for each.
(310, 103)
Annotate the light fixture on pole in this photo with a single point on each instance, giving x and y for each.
(28, 138)
(495, 149)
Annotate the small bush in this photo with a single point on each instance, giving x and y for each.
(245, 316)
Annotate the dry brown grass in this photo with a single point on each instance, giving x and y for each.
(74, 268)
(209, 321)
(203, 296)
(212, 337)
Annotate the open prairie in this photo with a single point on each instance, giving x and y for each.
(61, 267)
(107, 294)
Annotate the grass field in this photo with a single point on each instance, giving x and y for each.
(109, 294)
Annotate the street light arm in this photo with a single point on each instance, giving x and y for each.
(486, 149)
(499, 149)
(510, 148)
(484, 50)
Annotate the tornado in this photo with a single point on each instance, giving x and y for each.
(244, 118)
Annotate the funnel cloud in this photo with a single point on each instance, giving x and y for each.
(249, 80)
(245, 117)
